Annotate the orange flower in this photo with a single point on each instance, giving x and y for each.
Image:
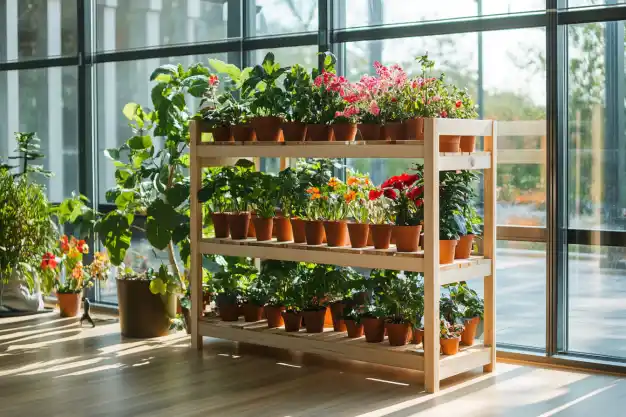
(65, 246)
(77, 272)
(352, 181)
(366, 181)
(316, 196)
(349, 196)
(313, 190)
(333, 182)
(82, 246)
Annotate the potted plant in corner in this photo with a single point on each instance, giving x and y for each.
(298, 88)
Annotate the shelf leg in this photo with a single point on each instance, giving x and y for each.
(195, 272)
(489, 248)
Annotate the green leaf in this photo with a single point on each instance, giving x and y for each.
(196, 85)
(223, 68)
(112, 153)
(124, 198)
(185, 160)
(129, 110)
(164, 213)
(177, 194)
(157, 286)
(157, 94)
(180, 232)
(158, 235)
(268, 63)
(167, 69)
(139, 142)
(115, 235)
(139, 158)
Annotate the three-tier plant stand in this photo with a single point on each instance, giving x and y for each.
(425, 358)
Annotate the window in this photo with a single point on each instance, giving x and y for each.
(587, 3)
(273, 17)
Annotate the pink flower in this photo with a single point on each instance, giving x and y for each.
(444, 113)
(374, 109)
(213, 80)
(338, 113)
(437, 99)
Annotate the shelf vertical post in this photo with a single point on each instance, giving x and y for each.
(489, 247)
(195, 273)
(431, 256)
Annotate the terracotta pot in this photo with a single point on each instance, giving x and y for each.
(267, 128)
(229, 312)
(414, 128)
(446, 251)
(263, 228)
(469, 333)
(468, 143)
(450, 346)
(314, 230)
(251, 228)
(381, 234)
(344, 132)
(336, 233)
(374, 329)
(319, 133)
(328, 319)
(369, 131)
(298, 228)
(359, 234)
(314, 320)
(354, 329)
(252, 312)
(463, 248)
(243, 133)
(418, 336)
(274, 316)
(282, 226)
(141, 313)
(222, 134)
(239, 224)
(407, 237)
(449, 143)
(398, 333)
(336, 310)
(293, 321)
(392, 131)
(220, 224)
(294, 131)
(69, 304)
(370, 237)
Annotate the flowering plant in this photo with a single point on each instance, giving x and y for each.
(407, 195)
(380, 206)
(450, 331)
(392, 84)
(349, 115)
(327, 97)
(315, 206)
(365, 96)
(356, 196)
(334, 206)
(464, 107)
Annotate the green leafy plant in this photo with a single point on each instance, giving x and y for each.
(234, 278)
(215, 190)
(241, 185)
(268, 99)
(469, 303)
(404, 298)
(298, 90)
(449, 330)
(163, 282)
(28, 150)
(264, 195)
(288, 192)
(277, 277)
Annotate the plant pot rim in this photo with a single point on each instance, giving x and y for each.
(450, 338)
(68, 293)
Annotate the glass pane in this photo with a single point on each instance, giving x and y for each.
(587, 3)
(283, 16)
(37, 29)
(306, 56)
(44, 101)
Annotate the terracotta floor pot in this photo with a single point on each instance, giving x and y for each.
(450, 346)
(374, 329)
(469, 333)
(294, 131)
(229, 312)
(263, 228)
(449, 143)
(314, 320)
(398, 333)
(314, 230)
(414, 128)
(299, 232)
(319, 133)
(381, 235)
(69, 304)
(222, 134)
(141, 313)
(238, 224)
(463, 248)
(354, 329)
(359, 234)
(336, 233)
(274, 316)
(243, 133)
(369, 131)
(220, 224)
(344, 132)
(392, 131)
(418, 336)
(468, 143)
(407, 237)
(267, 128)
(284, 231)
(293, 321)
(336, 310)
(446, 251)
(252, 312)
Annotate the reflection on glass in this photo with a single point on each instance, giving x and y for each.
(283, 16)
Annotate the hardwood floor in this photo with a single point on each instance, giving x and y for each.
(51, 367)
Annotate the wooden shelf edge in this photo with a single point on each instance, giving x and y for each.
(471, 358)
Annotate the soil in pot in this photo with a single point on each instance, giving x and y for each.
(299, 230)
(69, 304)
(238, 224)
(243, 133)
(284, 231)
(407, 237)
(319, 133)
(229, 312)
(314, 230)
(449, 143)
(392, 131)
(450, 346)
(314, 320)
(293, 321)
(220, 224)
(344, 132)
(274, 316)
(263, 228)
(141, 313)
(369, 131)
(374, 329)
(252, 312)
(336, 310)
(381, 235)
(267, 128)
(463, 248)
(294, 131)
(398, 333)
(222, 134)
(336, 233)
(446, 251)
(359, 234)
(468, 143)
(414, 128)
(469, 333)
(354, 329)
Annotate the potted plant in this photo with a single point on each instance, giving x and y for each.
(450, 337)
(287, 197)
(380, 217)
(344, 123)
(277, 278)
(473, 228)
(373, 320)
(254, 299)
(298, 88)
(406, 193)
(241, 188)
(315, 284)
(404, 301)
(357, 199)
(215, 110)
(215, 193)
(343, 282)
(311, 175)
(464, 108)
(325, 100)
(263, 198)
(453, 194)
(391, 100)
(472, 310)
(294, 296)
(416, 96)
(352, 318)
(231, 283)
(314, 226)
(370, 118)
(335, 211)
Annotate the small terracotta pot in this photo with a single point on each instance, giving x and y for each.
(414, 128)
(374, 329)
(220, 224)
(392, 131)
(243, 133)
(398, 333)
(463, 248)
(344, 132)
(381, 234)
(222, 134)
(294, 131)
(446, 251)
(407, 237)
(252, 312)
(314, 320)
(319, 133)
(282, 226)
(263, 228)
(370, 237)
(359, 234)
(449, 143)
(69, 304)
(418, 336)
(298, 228)
(336, 310)
(293, 321)
(238, 223)
(369, 131)
(251, 228)
(267, 128)
(336, 233)
(468, 143)
(274, 316)
(469, 333)
(314, 230)
(229, 312)
(354, 329)
(450, 346)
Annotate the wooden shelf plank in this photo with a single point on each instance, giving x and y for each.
(454, 161)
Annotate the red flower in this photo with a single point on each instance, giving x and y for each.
(391, 194)
(393, 99)
(416, 194)
(375, 194)
(444, 113)
(389, 182)
(458, 104)
(213, 79)
(48, 261)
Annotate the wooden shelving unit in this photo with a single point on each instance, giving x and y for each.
(424, 358)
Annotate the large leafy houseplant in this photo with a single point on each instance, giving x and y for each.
(298, 89)
(268, 99)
